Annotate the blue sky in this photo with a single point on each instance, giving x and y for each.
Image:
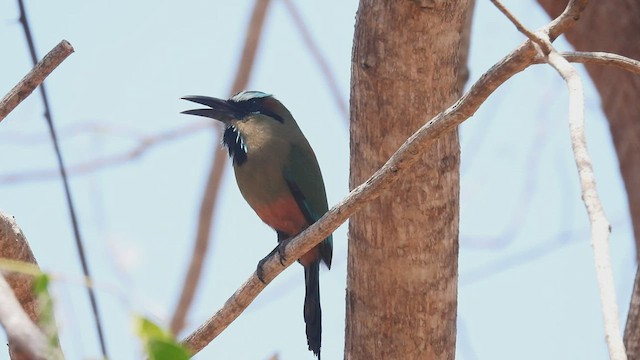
(527, 280)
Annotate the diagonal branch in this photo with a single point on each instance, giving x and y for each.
(35, 77)
(400, 161)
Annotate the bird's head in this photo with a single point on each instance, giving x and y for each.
(250, 117)
(239, 107)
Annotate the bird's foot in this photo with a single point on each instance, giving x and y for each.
(279, 249)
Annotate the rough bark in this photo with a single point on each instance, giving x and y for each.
(403, 246)
(612, 26)
(14, 246)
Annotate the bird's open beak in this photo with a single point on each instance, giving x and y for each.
(218, 109)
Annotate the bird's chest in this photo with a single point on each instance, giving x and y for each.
(260, 178)
(263, 186)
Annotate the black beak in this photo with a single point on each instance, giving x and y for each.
(218, 109)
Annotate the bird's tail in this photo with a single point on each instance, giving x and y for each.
(312, 312)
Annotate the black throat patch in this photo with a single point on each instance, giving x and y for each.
(232, 140)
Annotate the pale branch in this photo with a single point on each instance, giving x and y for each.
(316, 54)
(34, 78)
(209, 199)
(400, 161)
(145, 143)
(600, 226)
(24, 336)
(599, 58)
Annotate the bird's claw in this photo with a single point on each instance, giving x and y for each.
(282, 248)
(260, 269)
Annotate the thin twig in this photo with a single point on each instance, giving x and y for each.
(600, 226)
(400, 161)
(599, 58)
(72, 212)
(35, 77)
(520, 27)
(209, 199)
(316, 54)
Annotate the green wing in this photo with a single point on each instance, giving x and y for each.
(303, 176)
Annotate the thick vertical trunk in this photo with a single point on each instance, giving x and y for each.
(403, 247)
(612, 26)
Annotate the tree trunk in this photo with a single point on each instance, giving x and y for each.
(612, 26)
(403, 246)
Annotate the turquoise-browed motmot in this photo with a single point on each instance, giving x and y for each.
(278, 175)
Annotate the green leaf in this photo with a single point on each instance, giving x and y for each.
(148, 330)
(41, 283)
(162, 349)
(159, 343)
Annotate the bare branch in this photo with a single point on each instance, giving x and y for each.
(24, 336)
(192, 278)
(600, 226)
(520, 27)
(599, 58)
(35, 77)
(400, 161)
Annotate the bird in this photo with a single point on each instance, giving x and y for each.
(278, 175)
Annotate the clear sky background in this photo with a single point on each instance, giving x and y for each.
(527, 280)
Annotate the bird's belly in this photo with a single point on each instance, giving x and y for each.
(282, 214)
(268, 194)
